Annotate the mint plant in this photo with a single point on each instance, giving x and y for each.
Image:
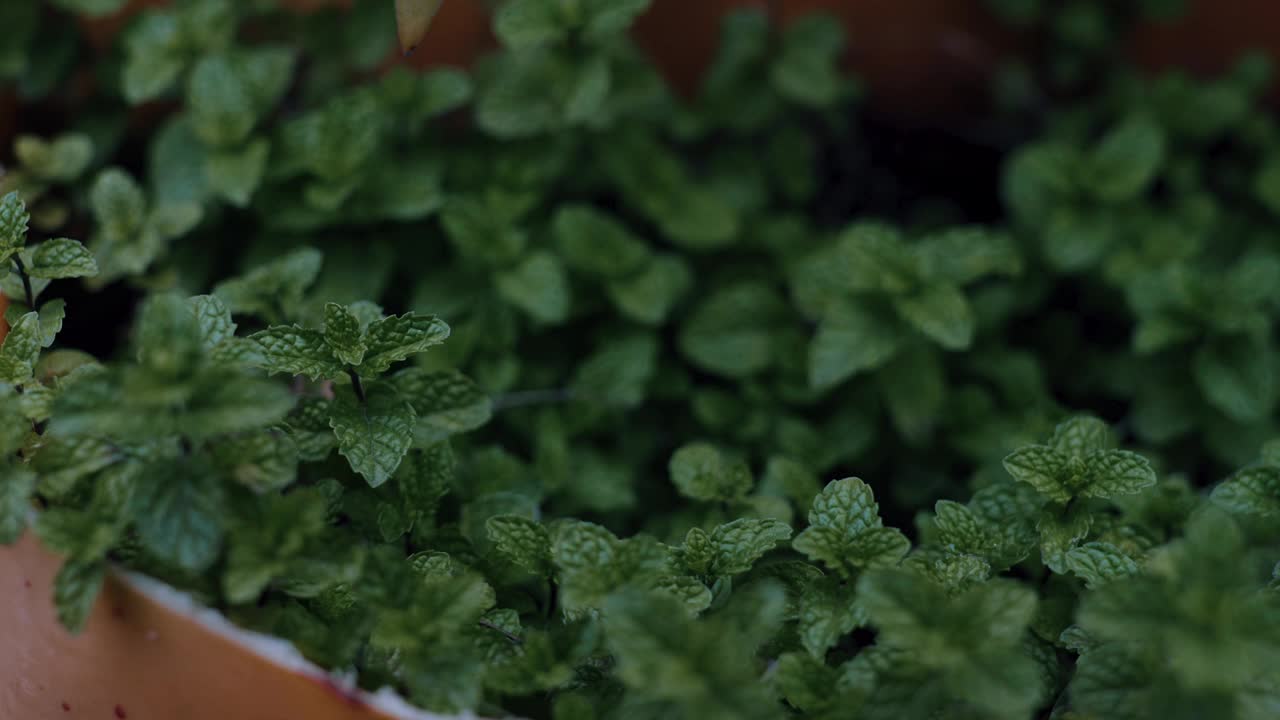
(538, 388)
(375, 423)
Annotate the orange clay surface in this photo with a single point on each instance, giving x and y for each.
(140, 660)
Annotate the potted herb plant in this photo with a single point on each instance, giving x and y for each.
(534, 388)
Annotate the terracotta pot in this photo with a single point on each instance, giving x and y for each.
(148, 652)
(916, 56)
(101, 31)
(1210, 37)
(460, 33)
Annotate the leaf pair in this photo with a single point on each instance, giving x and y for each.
(355, 339)
(845, 532)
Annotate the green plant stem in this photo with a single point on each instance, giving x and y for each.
(553, 596)
(356, 385)
(515, 639)
(26, 282)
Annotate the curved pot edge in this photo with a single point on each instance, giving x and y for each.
(151, 650)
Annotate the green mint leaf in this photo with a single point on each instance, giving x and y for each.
(1082, 436)
(344, 334)
(914, 387)
(262, 544)
(845, 532)
(1266, 184)
(396, 338)
(1037, 177)
(828, 612)
(1161, 332)
(226, 93)
(963, 530)
(785, 477)
(64, 461)
(483, 230)
(588, 559)
(1114, 680)
(118, 204)
(180, 516)
(373, 435)
(213, 318)
(261, 461)
(429, 94)
(441, 608)
(538, 286)
(153, 57)
(698, 552)
(21, 350)
(964, 254)
(447, 403)
(308, 426)
(738, 544)
(51, 313)
(1060, 532)
(822, 545)
(296, 351)
(522, 541)
(731, 332)
(595, 244)
(77, 533)
(13, 431)
(1041, 467)
(605, 18)
(218, 402)
(1075, 241)
(908, 610)
(13, 225)
(942, 313)
(701, 472)
(16, 487)
(237, 174)
(1270, 453)
(167, 336)
(424, 477)
(1099, 563)
(228, 401)
(272, 290)
(1235, 377)
(805, 682)
(807, 70)
(1125, 161)
(62, 258)
(649, 296)
(847, 506)
(851, 339)
(1117, 472)
(872, 257)
(688, 591)
(1251, 491)
(525, 24)
(876, 547)
(664, 654)
(619, 374)
(170, 221)
(75, 589)
(60, 161)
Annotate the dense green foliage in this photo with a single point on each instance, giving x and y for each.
(538, 389)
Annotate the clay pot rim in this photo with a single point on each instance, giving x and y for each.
(278, 652)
